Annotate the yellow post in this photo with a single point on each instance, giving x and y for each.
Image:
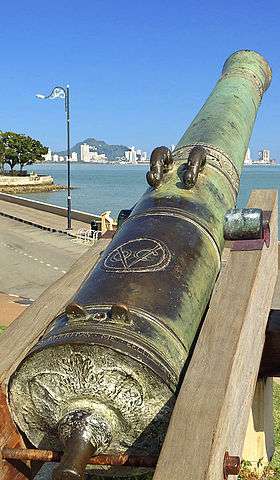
(107, 223)
(259, 445)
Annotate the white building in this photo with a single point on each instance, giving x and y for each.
(48, 156)
(131, 155)
(248, 160)
(89, 154)
(141, 156)
(144, 157)
(98, 158)
(264, 156)
(55, 158)
(74, 157)
(135, 156)
(85, 153)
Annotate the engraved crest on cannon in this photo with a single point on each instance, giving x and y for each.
(139, 255)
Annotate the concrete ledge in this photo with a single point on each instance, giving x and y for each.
(51, 217)
(17, 181)
(38, 225)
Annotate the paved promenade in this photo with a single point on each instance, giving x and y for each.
(10, 307)
(32, 259)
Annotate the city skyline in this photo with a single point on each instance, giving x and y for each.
(88, 154)
(264, 157)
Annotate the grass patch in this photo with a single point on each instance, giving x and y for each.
(275, 463)
(2, 328)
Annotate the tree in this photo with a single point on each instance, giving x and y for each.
(20, 150)
(32, 151)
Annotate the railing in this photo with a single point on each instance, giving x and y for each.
(87, 236)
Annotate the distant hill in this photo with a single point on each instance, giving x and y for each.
(112, 152)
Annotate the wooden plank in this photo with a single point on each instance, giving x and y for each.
(25, 331)
(259, 439)
(259, 445)
(9, 436)
(212, 410)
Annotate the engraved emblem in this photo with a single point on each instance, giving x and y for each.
(139, 255)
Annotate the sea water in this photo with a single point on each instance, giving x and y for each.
(98, 188)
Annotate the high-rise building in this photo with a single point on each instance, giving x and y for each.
(98, 158)
(90, 154)
(135, 156)
(248, 160)
(144, 157)
(85, 153)
(48, 156)
(264, 156)
(131, 155)
(74, 157)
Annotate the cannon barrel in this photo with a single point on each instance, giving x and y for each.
(104, 376)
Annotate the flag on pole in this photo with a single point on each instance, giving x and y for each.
(58, 92)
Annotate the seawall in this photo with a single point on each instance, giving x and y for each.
(52, 217)
(32, 179)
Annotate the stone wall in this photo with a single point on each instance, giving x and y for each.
(32, 179)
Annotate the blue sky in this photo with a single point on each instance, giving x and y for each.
(138, 70)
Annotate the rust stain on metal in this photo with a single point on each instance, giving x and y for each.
(231, 465)
(118, 459)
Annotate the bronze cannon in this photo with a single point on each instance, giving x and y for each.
(104, 376)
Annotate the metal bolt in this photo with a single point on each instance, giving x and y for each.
(266, 234)
(231, 465)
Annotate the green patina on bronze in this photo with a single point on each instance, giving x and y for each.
(244, 224)
(158, 274)
(227, 118)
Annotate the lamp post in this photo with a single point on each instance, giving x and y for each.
(61, 92)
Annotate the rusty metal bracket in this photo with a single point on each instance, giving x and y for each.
(258, 243)
(117, 459)
(232, 465)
